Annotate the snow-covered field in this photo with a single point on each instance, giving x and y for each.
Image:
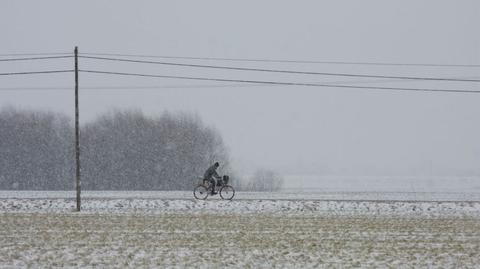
(170, 229)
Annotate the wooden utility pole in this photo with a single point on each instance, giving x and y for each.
(77, 134)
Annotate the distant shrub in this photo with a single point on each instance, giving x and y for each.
(262, 180)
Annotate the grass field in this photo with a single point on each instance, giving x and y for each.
(72, 240)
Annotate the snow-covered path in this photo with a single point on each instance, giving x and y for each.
(285, 195)
(190, 206)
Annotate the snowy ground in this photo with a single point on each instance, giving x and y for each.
(195, 207)
(284, 195)
(38, 240)
(161, 229)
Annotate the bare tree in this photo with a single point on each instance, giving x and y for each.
(36, 151)
(127, 150)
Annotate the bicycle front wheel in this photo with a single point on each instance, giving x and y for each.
(227, 192)
(200, 192)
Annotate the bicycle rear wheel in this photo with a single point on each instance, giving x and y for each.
(200, 192)
(227, 192)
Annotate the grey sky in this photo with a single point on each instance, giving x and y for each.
(295, 130)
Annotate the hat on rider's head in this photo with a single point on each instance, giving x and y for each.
(217, 164)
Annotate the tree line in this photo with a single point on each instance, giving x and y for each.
(120, 150)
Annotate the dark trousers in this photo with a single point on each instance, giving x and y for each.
(212, 183)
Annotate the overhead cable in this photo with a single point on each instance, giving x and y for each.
(279, 83)
(34, 58)
(35, 54)
(36, 72)
(133, 87)
(284, 61)
(282, 71)
(173, 86)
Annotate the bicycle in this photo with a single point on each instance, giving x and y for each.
(204, 189)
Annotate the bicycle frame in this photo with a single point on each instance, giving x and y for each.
(221, 186)
(218, 184)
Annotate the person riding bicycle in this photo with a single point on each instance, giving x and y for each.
(211, 174)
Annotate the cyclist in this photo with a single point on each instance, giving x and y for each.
(211, 174)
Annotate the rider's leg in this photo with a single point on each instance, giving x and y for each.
(212, 184)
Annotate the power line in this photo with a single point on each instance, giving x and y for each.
(285, 61)
(131, 87)
(278, 83)
(282, 71)
(34, 58)
(174, 86)
(35, 89)
(184, 86)
(36, 72)
(35, 54)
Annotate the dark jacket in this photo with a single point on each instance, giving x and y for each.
(211, 172)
